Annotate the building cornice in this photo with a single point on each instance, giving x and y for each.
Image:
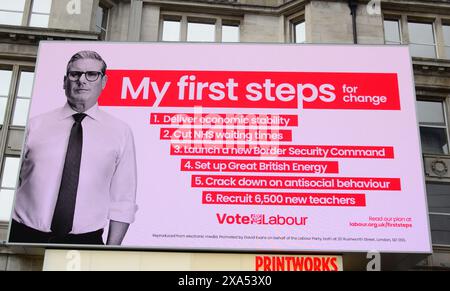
(219, 8)
(286, 7)
(20, 36)
(429, 66)
(46, 33)
(423, 6)
(228, 7)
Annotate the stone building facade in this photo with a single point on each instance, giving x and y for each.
(423, 25)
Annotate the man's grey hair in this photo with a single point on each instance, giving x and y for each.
(87, 55)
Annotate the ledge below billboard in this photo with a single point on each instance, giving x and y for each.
(91, 260)
(235, 147)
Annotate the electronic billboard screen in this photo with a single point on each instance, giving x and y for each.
(237, 147)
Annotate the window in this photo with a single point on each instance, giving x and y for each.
(40, 13)
(11, 12)
(424, 37)
(299, 32)
(22, 103)
(8, 185)
(446, 29)
(392, 32)
(194, 28)
(433, 127)
(421, 39)
(5, 85)
(440, 229)
(230, 33)
(295, 26)
(14, 12)
(171, 30)
(438, 198)
(15, 92)
(439, 207)
(204, 32)
(101, 21)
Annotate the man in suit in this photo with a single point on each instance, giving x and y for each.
(78, 171)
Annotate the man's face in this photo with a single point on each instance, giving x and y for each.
(83, 93)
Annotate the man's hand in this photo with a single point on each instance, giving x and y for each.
(117, 231)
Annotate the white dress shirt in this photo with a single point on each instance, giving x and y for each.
(107, 181)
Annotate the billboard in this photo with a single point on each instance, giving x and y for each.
(240, 147)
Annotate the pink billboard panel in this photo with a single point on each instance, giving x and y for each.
(240, 147)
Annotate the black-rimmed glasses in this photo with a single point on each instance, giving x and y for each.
(91, 76)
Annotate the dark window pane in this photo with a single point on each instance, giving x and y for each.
(438, 197)
(434, 140)
(440, 229)
(99, 19)
(431, 113)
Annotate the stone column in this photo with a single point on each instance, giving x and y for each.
(134, 23)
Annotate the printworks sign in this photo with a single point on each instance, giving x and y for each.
(223, 147)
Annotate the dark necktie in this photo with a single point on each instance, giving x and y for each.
(62, 222)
